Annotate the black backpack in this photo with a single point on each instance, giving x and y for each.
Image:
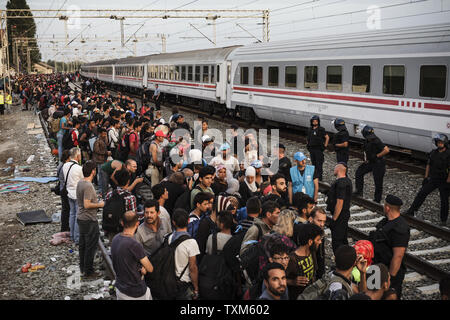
(250, 257)
(113, 212)
(163, 282)
(215, 278)
(184, 200)
(67, 142)
(143, 156)
(124, 147)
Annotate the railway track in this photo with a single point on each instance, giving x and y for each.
(428, 242)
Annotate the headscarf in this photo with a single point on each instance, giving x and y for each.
(233, 186)
(250, 171)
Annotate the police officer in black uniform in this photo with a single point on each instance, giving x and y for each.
(374, 150)
(437, 175)
(340, 141)
(390, 240)
(317, 142)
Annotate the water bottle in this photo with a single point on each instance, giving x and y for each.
(56, 217)
(304, 190)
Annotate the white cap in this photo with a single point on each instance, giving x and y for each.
(195, 155)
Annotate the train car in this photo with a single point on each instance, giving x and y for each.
(131, 72)
(394, 80)
(199, 75)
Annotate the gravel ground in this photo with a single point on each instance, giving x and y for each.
(22, 244)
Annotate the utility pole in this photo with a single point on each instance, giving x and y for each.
(266, 25)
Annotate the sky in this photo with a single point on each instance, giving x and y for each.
(288, 19)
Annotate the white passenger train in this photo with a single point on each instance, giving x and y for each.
(394, 80)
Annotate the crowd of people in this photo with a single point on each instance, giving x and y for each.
(215, 226)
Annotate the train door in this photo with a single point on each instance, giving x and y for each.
(144, 75)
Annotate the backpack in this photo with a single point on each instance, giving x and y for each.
(250, 257)
(113, 211)
(143, 156)
(124, 147)
(215, 279)
(67, 141)
(53, 125)
(319, 290)
(184, 200)
(163, 282)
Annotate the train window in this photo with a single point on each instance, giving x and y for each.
(183, 73)
(290, 79)
(244, 75)
(394, 80)
(257, 76)
(166, 72)
(361, 79)
(177, 72)
(218, 73)
(197, 73)
(433, 81)
(334, 78)
(311, 73)
(273, 76)
(205, 74)
(212, 73)
(189, 73)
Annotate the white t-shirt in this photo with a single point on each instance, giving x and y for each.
(165, 217)
(75, 175)
(185, 250)
(232, 164)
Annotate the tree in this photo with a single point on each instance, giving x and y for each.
(19, 27)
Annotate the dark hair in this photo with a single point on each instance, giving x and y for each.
(122, 177)
(226, 218)
(345, 257)
(278, 248)
(301, 200)
(129, 219)
(269, 206)
(101, 130)
(206, 171)
(308, 231)
(88, 167)
(200, 198)
(275, 177)
(158, 191)
(444, 286)
(384, 273)
(271, 266)
(253, 205)
(151, 203)
(180, 218)
(65, 155)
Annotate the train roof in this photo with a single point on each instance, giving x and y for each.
(100, 63)
(389, 42)
(195, 56)
(134, 60)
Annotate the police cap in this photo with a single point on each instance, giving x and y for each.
(393, 200)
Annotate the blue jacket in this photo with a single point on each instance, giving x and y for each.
(307, 180)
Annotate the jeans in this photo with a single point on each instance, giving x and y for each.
(60, 136)
(89, 235)
(74, 232)
(102, 179)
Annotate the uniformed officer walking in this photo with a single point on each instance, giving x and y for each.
(390, 241)
(437, 175)
(338, 203)
(317, 142)
(340, 141)
(374, 151)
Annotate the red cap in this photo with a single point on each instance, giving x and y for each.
(160, 133)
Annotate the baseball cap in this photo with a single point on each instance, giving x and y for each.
(159, 133)
(207, 138)
(256, 164)
(299, 156)
(224, 146)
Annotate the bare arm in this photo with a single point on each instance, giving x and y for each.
(327, 139)
(193, 272)
(147, 265)
(396, 261)
(316, 189)
(88, 204)
(384, 152)
(338, 208)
